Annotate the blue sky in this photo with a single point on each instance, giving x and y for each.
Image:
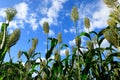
(32, 13)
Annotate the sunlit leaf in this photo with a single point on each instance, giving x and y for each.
(63, 45)
(85, 34)
(52, 45)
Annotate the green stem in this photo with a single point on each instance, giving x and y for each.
(9, 55)
(79, 78)
(75, 28)
(4, 37)
(47, 42)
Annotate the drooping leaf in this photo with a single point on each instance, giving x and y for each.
(93, 32)
(85, 34)
(49, 52)
(14, 37)
(110, 57)
(47, 71)
(100, 41)
(52, 45)
(4, 25)
(100, 33)
(35, 54)
(63, 45)
(26, 54)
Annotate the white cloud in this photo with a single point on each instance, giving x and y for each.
(72, 43)
(67, 14)
(50, 20)
(62, 52)
(32, 20)
(2, 12)
(100, 17)
(66, 31)
(0, 24)
(51, 33)
(16, 24)
(23, 63)
(98, 14)
(52, 12)
(10, 31)
(22, 10)
(43, 11)
(38, 60)
(105, 44)
(72, 30)
(34, 74)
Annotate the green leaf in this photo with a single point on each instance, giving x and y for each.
(85, 72)
(49, 53)
(2, 77)
(93, 32)
(100, 41)
(110, 57)
(85, 34)
(35, 54)
(63, 45)
(52, 45)
(100, 33)
(47, 71)
(49, 61)
(26, 54)
(4, 25)
(2, 54)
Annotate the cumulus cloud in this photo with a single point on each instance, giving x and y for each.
(62, 52)
(2, 12)
(32, 20)
(105, 44)
(51, 33)
(52, 12)
(100, 17)
(72, 30)
(66, 31)
(98, 14)
(22, 10)
(16, 24)
(72, 42)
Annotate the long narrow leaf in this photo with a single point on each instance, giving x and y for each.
(85, 34)
(63, 45)
(26, 54)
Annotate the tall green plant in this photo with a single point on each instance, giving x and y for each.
(7, 41)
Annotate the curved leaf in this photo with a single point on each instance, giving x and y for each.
(63, 45)
(100, 41)
(26, 54)
(93, 32)
(52, 45)
(110, 57)
(100, 33)
(35, 54)
(85, 34)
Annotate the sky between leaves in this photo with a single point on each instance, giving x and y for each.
(32, 13)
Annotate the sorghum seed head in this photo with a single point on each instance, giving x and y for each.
(111, 22)
(67, 52)
(10, 13)
(19, 54)
(14, 37)
(89, 44)
(46, 27)
(74, 14)
(59, 38)
(78, 41)
(87, 23)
